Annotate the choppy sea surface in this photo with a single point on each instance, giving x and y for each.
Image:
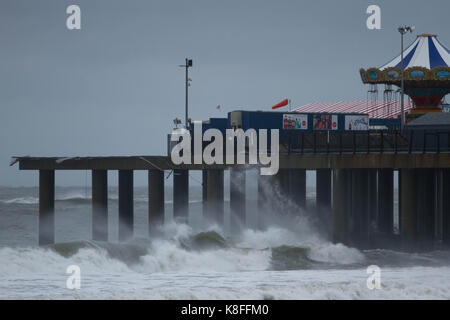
(291, 259)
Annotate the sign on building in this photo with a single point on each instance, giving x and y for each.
(325, 122)
(357, 122)
(295, 121)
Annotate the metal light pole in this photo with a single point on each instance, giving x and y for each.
(402, 31)
(187, 65)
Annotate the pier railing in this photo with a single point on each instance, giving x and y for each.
(373, 141)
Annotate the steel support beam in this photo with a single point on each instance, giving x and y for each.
(215, 196)
(155, 200)
(100, 205)
(126, 206)
(46, 207)
(237, 198)
(181, 195)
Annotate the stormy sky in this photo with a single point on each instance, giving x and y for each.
(114, 87)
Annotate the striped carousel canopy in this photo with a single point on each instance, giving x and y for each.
(426, 52)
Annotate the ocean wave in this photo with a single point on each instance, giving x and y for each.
(77, 199)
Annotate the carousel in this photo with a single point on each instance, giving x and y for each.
(426, 74)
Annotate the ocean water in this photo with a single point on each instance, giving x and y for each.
(292, 259)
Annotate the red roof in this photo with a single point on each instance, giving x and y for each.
(375, 109)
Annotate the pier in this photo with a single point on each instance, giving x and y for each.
(354, 189)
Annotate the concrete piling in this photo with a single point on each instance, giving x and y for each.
(100, 205)
(181, 195)
(444, 191)
(265, 193)
(126, 206)
(46, 207)
(204, 190)
(426, 194)
(341, 205)
(359, 220)
(408, 214)
(385, 217)
(155, 199)
(282, 182)
(323, 189)
(373, 198)
(297, 186)
(215, 196)
(237, 198)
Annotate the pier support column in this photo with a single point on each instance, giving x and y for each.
(341, 205)
(426, 193)
(360, 210)
(155, 199)
(46, 207)
(204, 191)
(444, 205)
(323, 189)
(297, 186)
(385, 219)
(408, 214)
(237, 198)
(215, 206)
(100, 205)
(181, 195)
(265, 193)
(126, 205)
(373, 198)
(282, 183)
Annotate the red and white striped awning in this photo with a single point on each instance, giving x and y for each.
(375, 109)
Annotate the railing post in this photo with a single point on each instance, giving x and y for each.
(340, 142)
(303, 141)
(368, 141)
(328, 142)
(354, 142)
(314, 142)
(382, 142)
(395, 141)
(424, 141)
(289, 143)
(438, 135)
(411, 135)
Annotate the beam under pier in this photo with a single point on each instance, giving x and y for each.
(408, 213)
(445, 191)
(237, 198)
(215, 196)
(341, 205)
(204, 191)
(100, 205)
(385, 219)
(46, 207)
(265, 193)
(297, 186)
(359, 220)
(373, 198)
(155, 200)
(426, 194)
(181, 195)
(126, 207)
(323, 189)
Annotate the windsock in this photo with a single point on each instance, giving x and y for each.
(281, 104)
